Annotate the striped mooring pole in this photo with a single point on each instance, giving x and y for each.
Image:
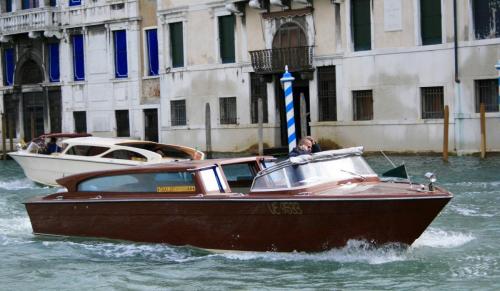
(286, 81)
(497, 66)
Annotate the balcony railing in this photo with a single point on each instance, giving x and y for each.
(100, 12)
(274, 60)
(57, 18)
(38, 19)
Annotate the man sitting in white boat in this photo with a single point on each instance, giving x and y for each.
(53, 147)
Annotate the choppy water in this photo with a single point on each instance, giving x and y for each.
(459, 251)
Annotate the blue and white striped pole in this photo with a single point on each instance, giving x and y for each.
(497, 66)
(286, 81)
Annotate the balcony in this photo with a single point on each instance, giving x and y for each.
(100, 12)
(23, 21)
(298, 59)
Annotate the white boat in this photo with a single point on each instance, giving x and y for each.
(85, 154)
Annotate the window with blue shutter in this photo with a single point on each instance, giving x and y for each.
(54, 62)
(176, 44)
(152, 42)
(25, 4)
(75, 2)
(8, 6)
(9, 64)
(120, 37)
(78, 58)
(53, 3)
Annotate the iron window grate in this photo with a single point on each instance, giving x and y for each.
(363, 104)
(432, 102)
(227, 107)
(178, 112)
(327, 95)
(487, 93)
(258, 89)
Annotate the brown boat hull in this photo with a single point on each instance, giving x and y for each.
(241, 224)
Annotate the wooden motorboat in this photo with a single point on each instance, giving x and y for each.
(84, 153)
(309, 203)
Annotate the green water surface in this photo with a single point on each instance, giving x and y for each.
(459, 251)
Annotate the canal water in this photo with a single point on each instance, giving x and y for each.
(459, 251)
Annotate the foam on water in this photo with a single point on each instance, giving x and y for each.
(18, 184)
(129, 250)
(437, 238)
(354, 252)
(13, 229)
(469, 212)
(476, 185)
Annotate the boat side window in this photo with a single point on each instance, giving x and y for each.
(84, 150)
(213, 181)
(268, 164)
(165, 182)
(125, 155)
(243, 172)
(164, 150)
(239, 176)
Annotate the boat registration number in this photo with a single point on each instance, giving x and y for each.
(284, 208)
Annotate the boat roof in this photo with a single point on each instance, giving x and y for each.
(64, 135)
(188, 165)
(103, 141)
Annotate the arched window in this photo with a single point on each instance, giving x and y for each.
(289, 35)
(31, 73)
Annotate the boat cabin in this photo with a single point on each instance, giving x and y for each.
(114, 148)
(249, 175)
(207, 177)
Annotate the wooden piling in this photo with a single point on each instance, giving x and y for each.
(483, 131)
(4, 146)
(260, 117)
(303, 116)
(32, 125)
(445, 132)
(11, 134)
(208, 131)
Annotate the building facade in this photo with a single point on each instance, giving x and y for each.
(79, 66)
(377, 73)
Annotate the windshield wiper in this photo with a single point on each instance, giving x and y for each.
(355, 174)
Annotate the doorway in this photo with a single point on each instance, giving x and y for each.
(151, 124)
(299, 86)
(33, 107)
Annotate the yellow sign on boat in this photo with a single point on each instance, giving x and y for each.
(183, 188)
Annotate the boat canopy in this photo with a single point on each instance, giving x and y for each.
(307, 170)
(315, 157)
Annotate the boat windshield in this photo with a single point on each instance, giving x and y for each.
(297, 175)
